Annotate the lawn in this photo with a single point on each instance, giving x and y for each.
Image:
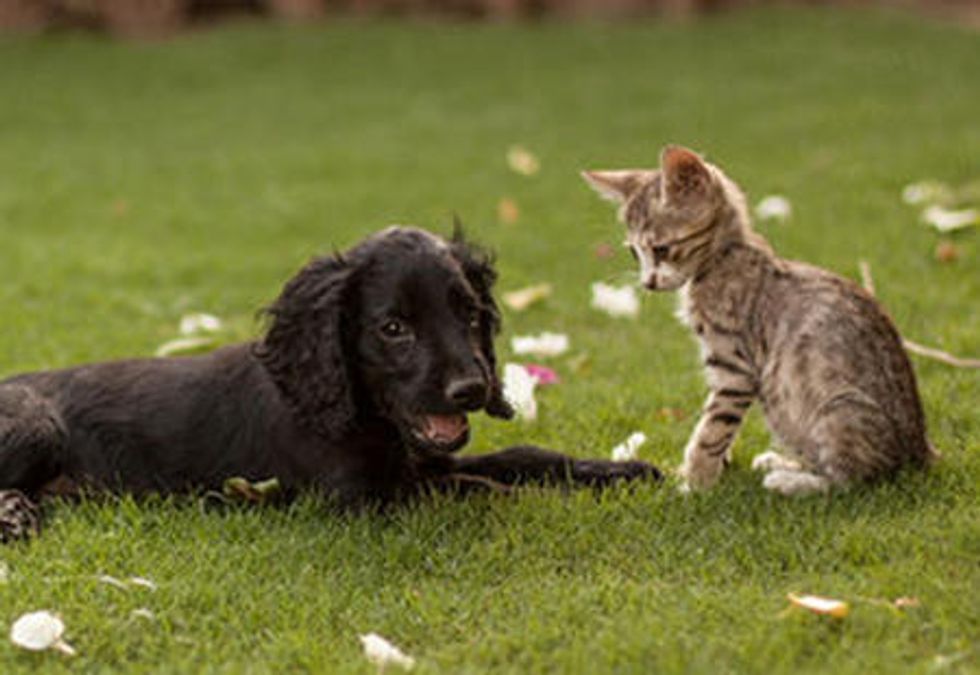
(139, 182)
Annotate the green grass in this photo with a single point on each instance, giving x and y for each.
(138, 182)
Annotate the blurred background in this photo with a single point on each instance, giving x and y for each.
(155, 18)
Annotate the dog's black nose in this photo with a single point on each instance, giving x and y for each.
(469, 393)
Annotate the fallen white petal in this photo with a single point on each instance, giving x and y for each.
(192, 324)
(112, 581)
(626, 451)
(946, 220)
(522, 161)
(143, 582)
(38, 631)
(185, 345)
(545, 344)
(926, 192)
(944, 661)
(519, 385)
(774, 207)
(381, 653)
(4, 572)
(143, 613)
(820, 605)
(615, 301)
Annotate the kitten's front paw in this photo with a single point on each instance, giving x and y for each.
(699, 473)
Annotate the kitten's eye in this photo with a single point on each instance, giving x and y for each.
(660, 252)
(393, 329)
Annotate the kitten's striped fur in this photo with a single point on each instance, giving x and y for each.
(816, 350)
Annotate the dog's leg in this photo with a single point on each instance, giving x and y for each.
(32, 448)
(20, 518)
(32, 439)
(528, 464)
(463, 484)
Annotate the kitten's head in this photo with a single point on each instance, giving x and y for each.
(676, 216)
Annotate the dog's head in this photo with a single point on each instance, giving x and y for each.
(401, 327)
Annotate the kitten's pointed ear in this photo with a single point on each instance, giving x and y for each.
(685, 172)
(616, 186)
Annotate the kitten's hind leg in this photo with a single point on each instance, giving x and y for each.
(852, 441)
(796, 483)
(788, 476)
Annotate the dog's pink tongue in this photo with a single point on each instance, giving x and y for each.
(445, 427)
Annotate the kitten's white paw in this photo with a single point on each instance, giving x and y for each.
(795, 483)
(771, 461)
(700, 473)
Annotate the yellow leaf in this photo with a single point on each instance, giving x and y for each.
(507, 211)
(523, 298)
(819, 605)
(522, 161)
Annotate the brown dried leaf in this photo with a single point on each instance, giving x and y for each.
(523, 298)
(508, 212)
(671, 414)
(120, 208)
(604, 251)
(947, 252)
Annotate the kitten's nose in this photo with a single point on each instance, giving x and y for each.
(469, 393)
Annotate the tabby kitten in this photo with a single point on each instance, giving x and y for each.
(816, 350)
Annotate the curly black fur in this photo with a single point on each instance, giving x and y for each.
(303, 350)
(359, 389)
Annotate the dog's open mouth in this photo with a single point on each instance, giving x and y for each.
(445, 432)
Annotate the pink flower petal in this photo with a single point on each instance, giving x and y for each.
(543, 374)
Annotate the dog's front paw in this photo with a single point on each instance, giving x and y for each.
(20, 518)
(599, 473)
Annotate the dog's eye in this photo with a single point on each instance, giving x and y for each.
(393, 329)
(473, 318)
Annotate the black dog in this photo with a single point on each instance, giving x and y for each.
(359, 389)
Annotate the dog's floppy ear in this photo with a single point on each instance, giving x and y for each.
(303, 349)
(478, 268)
